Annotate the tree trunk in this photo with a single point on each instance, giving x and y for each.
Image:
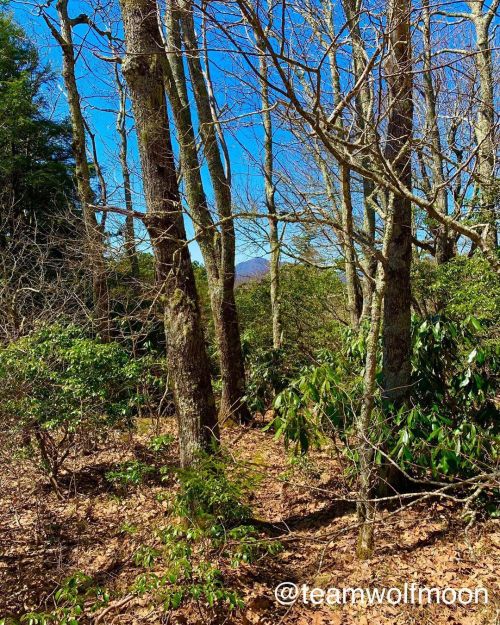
(274, 242)
(93, 233)
(444, 242)
(366, 126)
(364, 425)
(129, 233)
(274, 276)
(485, 124)
(220, 259)
(354, 302)
(369, 262)
(397, 301)
(354, 293)
(186, 355)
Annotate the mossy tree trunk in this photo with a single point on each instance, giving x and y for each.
(94, 237)
(186, 354)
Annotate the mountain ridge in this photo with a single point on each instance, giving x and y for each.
(251, 269)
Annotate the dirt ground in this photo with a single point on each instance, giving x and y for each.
(44, 539)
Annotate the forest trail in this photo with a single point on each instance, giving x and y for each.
(97, 530)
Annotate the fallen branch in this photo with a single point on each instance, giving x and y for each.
(114, 606)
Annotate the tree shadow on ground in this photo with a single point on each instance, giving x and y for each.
(91, 480)
(312, 520)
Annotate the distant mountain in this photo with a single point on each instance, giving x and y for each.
(252, 269)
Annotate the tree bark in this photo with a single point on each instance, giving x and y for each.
(397, 301)
(485, 123)
(364, 425)
(366, 126)
(186, 355)
(369, 262)
(354, 301)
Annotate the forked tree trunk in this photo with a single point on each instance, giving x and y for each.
(186, 355)
(93, 233)
(218, 245)
(397, 301)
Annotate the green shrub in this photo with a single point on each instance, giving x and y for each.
(312, 302)
(187, 572)
(186, 576)
(130, 473)
(58, 385)
(449, 428)
(422, 440)
(452, 428)
(202, 582)
(75, 595)
(207, 491)
(460, 288)
(159, 444)
(317, 403)
(212, 502)
(146, 556)
(267, 375)
(454, 368)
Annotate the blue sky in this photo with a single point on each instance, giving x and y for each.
(95, 82)
(236, 96)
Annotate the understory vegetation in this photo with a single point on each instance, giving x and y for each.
(74, 392)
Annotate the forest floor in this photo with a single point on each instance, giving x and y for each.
(44, 539)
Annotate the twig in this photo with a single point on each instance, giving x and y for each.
(112, 607)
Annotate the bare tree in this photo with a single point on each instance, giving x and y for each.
(94, 234)
(482, 18)
(121, 128)
(270, 192)
(354, 296)
(365, 119)
(444, 245)
(362, 155)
